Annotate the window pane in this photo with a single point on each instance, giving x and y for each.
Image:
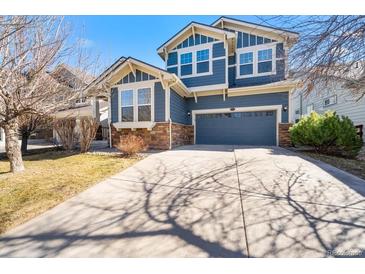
(144, 113)
(186, 70)
(264, 67)
(202, 55)
(144, 96)
(246, 58)
(202, 67)
(264, 55)
(127, 114)
(186, 58)
(127, 98)
(246, 69)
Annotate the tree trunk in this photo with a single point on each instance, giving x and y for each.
(25, 137)
(12, 146)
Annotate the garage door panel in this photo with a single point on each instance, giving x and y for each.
(239, 128)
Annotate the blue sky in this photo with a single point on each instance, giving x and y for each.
(139, 36)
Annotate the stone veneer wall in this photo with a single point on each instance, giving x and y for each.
(284, 136)
(182, 134)
(159, 136)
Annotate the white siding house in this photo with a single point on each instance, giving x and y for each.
(324, 98)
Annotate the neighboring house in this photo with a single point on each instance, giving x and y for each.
(224, 83)
(329, 97)
(81, 106)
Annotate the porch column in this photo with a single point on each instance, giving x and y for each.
(95, 108)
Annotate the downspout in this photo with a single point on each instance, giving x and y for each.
(109, 121)
(170, 130)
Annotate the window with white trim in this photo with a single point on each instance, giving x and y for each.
(202, 61)
(127, 105)
(186, 60)
(264, 61)
(144, 104)
(246, 63)
(256, 61)
(310, 108)
(330, 101)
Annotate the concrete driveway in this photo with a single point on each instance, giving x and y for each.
(206, 201)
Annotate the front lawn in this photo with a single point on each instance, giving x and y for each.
(353, 166)
(50, 178)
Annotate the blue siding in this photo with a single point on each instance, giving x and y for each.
(218, 76)
(252, 40)
(159, 102)
(246, 40)
(218, 50)
(199, 39)
(140, 76)
(178, 108)
(172, 58)
(114, 105)
(258, 80)
(239, 40)
(216, 101)
(280, 53)
(232, 59)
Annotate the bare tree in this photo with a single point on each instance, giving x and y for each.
(330, 48)
(30, 123)
(30, 47)
(88, 128)
(65, 129)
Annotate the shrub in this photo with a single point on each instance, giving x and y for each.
(88, 128)
(327, 133)
(131, 144)
(65, 129)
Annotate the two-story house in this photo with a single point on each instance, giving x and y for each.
(224, 83)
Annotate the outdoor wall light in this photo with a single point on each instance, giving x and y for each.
(189, 113)
(285, 108)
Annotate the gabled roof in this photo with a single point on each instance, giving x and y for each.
(110, 75)
(106, 72)
(190, 29)
(255, 26)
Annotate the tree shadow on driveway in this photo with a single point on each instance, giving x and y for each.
(169, 210)
(187, 203)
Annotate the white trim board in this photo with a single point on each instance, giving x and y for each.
(276, 108)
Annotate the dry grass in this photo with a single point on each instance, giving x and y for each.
(50, 178)
(353, 166)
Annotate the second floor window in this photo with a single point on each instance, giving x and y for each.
(264, 58)
(256, 61)
(186, 60)
(246, 63)
(202, 61)
(127, 105)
